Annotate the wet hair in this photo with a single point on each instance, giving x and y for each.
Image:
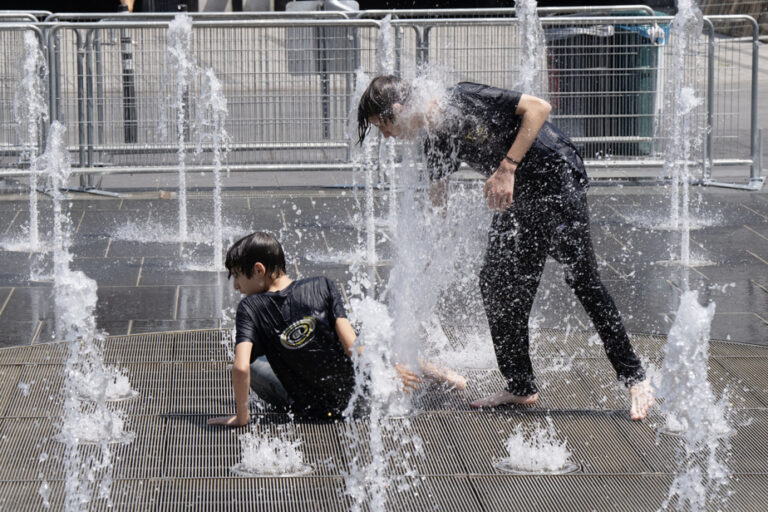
(377, 100)
(258, 247)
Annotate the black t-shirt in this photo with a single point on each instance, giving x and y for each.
(479, 126)
(295, 329)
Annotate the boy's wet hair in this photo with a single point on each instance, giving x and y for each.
(258, 247)
(377, 100)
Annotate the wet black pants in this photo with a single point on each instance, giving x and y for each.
(519, 241)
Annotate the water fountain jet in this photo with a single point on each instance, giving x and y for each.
(689, 405)
(29, 110)
(536, 452)
(84, 421)
(211, 127)
(184, 69)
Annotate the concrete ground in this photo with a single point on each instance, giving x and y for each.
(160, 285)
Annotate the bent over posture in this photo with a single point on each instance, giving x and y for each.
(536, 183)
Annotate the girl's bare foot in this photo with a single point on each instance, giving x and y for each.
(504, 397)
(641, 400)
(443, 375)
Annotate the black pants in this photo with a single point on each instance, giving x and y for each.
(519, 241)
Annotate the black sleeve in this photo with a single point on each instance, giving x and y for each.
(503, 101)
(336, 304)
(246, 329)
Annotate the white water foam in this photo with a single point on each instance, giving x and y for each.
(184, 69)
(692, 410)
(213, 115)
(83, 421)
(30, 108)
(378, 393)
(536, 451)
(531, 57)
(263, 455)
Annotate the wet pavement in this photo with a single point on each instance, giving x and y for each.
(178, 462)
(157, 284)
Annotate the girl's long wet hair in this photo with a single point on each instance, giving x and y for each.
(377, 100)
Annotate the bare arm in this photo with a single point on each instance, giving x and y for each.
(534, 112)
(241, 384)
(347, 336)
(500, 186)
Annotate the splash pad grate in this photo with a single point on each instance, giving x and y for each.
(177, 462)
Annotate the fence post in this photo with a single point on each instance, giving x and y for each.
(99, 90)
(708, 154)
(754, 173)
(81, 107)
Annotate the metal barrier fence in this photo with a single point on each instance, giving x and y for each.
(289, 84)
(15, 146)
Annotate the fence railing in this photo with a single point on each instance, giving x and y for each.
(289, 84)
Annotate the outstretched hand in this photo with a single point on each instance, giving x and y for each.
(500, 187)
(409, 379)
(228, 421)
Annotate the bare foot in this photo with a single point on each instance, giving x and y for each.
(443, 375)
(504, 397)
(641, 400)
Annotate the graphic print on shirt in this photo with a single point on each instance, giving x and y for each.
(298, 333)
(477, 133)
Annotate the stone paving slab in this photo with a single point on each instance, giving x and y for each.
(157, 284)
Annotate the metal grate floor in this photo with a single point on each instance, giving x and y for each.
(177, 462)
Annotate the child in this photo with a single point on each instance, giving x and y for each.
(537, 184)
(294, 341)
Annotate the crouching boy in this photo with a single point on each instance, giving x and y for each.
(293, 341)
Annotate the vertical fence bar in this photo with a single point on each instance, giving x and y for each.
(99, 57)
(129, 89)
(85, 179)
(760, 150)
(53, 74)
(89, 110)
(754, 174)
(708, 154)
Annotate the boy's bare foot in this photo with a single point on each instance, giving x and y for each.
(641, 400)
(504, 397)
(443, 375)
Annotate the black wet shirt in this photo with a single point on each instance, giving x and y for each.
(295, 329)
(479, 126)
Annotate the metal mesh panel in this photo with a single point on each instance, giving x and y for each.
(750, 372)
(578, 493)
(438, 457)
(593, 440)
(732, 101)
(68, 89)
(177, 461)
(43, 398)
(24, 441)
(288, 91)
(211, 394)
(16, 495)
(300, 494)
(12, 56)
(289, 87)
(9, 379)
